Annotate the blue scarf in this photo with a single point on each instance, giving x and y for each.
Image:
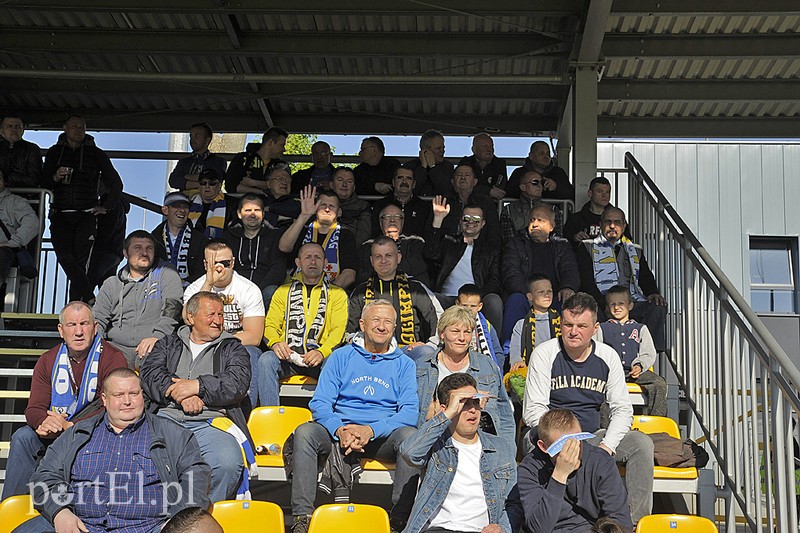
(248, 456)
(62, 398)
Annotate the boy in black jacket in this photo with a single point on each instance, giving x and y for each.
(572, 488)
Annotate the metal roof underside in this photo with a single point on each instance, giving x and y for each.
(701, 68)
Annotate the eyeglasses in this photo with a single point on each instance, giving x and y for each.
(392, 217)
(535, 183)
(226, 263)
(471, 218)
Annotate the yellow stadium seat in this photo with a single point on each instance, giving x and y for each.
(272, 426)
(298, 385)
(349, 517)
(661, 424)
(672, 523)
(375, 472)
(246, 516)
(15, 510)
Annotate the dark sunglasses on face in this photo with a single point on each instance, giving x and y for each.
(226, 263)
(471, 218)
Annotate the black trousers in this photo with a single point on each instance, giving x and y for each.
(73, 239)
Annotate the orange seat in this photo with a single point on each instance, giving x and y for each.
(349, 517)
(671, 523)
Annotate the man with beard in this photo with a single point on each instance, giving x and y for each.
(142, 303)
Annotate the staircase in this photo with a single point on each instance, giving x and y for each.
(740, 386)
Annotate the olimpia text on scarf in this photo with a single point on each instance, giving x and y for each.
(529, 331)
(64, 398)
(407, 327)
(215, 220)
(606, 271)
(330, 245)
(178, 250)
(299, 338)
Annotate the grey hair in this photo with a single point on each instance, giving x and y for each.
(75, 303)
(375, 303)
(194, 302)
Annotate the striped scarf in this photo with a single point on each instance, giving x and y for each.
(330, 245)
(407, 333)
(215, 220)
(606, 271)
(529, 331)
(178, 251)
(483, 340)
(248, 457)
(64, 399)
(298, 337)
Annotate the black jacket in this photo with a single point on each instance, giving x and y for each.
(92, 168)
(367, 176)
(523, 257)
(21, 164)
(564, 189)
(447, 250)
(174, 450)
(451, 223)
(258, 259)
(196, 245)
(425, 316)
(494, 174)
(225, 388)
(416, 213)
(412, 260)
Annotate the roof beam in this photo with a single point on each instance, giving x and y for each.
(327, 44)
(698, 90)
(699, 127)
(777, 45)
(313, 7)
(234, 91)
(322, 123)
(728, 8)
(376, 79)
(593, 31)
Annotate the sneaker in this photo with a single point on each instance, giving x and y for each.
(300, 524)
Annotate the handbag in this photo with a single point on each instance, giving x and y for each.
(25, 264)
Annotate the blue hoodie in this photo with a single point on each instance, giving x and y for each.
(359, 387)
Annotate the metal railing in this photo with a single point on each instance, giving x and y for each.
(740, 384)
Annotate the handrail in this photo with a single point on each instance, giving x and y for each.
(141, 202)
(739, 382)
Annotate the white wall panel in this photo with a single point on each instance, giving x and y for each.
(724, 191)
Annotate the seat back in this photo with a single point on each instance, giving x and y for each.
(274, 424)
(656, 424)
(246, 516)
(349, 517)
(15, 510)
(672, 523)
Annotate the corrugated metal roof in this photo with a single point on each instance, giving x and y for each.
(56, 58)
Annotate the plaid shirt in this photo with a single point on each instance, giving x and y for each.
(115, 481)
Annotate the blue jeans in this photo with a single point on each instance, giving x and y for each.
(27, 448)
(419, 352)
(255, 353)
(222, 453)
(312, 440)
(270, 369)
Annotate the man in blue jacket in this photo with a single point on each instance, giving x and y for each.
(366, 401)
(470, 481)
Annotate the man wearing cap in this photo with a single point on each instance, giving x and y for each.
(176, 240)
(208, 208)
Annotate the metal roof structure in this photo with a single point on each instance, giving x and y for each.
(679, 68)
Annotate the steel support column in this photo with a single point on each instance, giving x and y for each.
(585, 130)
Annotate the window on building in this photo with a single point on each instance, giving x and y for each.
(773, 274)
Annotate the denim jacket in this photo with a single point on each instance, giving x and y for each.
(489, 379)
(431, 447)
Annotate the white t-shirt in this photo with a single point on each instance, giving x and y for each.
(464, 507)
(195, 349)
(461, 274)
(444, 371)
(242, 297)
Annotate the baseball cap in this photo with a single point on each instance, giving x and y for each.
(173, 197)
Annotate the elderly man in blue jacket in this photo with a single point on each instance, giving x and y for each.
(366, 402)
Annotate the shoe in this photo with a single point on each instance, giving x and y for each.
(300, 524)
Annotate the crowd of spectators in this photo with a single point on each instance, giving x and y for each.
(409, 311)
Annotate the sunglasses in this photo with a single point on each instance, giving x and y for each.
(226, 263)
(535, 182)
(471, 218)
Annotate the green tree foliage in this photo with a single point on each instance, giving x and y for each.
(300, 144)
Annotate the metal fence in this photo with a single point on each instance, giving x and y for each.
(739, 383)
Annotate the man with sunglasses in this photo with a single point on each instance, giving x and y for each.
(244, 304)
(514, 216)
(555, 182)
(208, 210)
(471, 258)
